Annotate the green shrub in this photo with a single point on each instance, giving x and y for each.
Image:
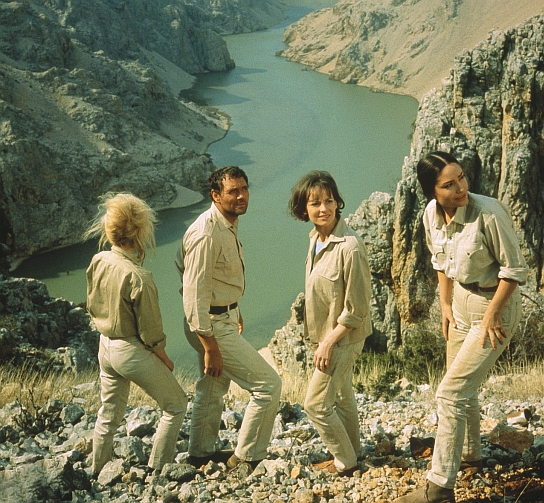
(423, 355)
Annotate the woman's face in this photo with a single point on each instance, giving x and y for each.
(451, 189)
(321, 208)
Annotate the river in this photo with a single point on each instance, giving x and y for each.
(285, 122)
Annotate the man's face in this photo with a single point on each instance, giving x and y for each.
(233, 199)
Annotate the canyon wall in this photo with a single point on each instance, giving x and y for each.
(89, 103)
(489, 112)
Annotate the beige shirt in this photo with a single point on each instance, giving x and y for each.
(122, 298)
(338, 286)
(479, 244)
(210, 262)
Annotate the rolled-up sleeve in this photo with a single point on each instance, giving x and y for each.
(501, 236)
(199, 257)
(357, 290)
(145, 304)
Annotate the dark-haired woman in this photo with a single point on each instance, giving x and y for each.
(476, 254)
(337, 316)
(123, 302)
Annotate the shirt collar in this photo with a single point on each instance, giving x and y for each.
(224, 224)
(131, 256)
(459, 217)
(337, 234)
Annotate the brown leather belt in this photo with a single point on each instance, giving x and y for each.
(222, 309)
(474, 287)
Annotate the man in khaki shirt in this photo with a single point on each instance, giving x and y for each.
(211, 265)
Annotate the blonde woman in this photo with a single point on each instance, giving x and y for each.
(123, 302)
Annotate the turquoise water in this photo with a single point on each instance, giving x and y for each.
(285, 122)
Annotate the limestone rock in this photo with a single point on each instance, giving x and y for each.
(89, 100)
(400, 46)
(44, 332)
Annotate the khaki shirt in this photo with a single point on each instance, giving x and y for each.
(479, 244)
(122, 298)
(210, 262)
(338, 286)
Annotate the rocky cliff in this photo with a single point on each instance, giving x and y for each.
(489, 112)
(399, 46)
(89, 103)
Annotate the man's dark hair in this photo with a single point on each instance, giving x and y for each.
(219, 175)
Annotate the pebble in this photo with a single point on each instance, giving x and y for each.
(386, 471)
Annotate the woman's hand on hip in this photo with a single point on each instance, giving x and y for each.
(323, 353)
(447, 320)
(491, 325)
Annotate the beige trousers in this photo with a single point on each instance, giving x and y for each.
(458, 434)
(247, 368)
(330, 404)
(123, 361)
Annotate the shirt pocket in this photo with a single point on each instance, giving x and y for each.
(472, 255)
(439, 256)
(328, 283)
(229, 263)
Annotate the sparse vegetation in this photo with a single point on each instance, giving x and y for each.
(421, 360)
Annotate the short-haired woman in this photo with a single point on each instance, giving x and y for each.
(336, 317)
(122, 300)
(475, 252)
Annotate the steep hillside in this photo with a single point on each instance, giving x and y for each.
(490, 114)
(400, 46)
(89, 103)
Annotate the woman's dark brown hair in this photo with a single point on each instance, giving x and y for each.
(428, 169)
(305, 186)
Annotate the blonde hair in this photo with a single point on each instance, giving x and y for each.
(124, 220)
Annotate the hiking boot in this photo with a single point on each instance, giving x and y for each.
(216, 457)
(471, 467)
(429, 493)
(329, 466)
(234, 461)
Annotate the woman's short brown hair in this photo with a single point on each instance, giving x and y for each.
(303, 188)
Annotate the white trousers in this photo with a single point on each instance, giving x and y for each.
(246, 367)
(123, 361)
(458, 434)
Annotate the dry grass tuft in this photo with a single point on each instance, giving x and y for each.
(34, 389)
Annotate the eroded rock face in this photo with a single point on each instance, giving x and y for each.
(399, 46)
(42, 332)
(489, 114)
(89, 104)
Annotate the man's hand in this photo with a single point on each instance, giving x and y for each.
(213, 361)
(161, 353)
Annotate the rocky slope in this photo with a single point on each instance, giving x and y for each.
(45, 455)
(89, 103)
(399, 46)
